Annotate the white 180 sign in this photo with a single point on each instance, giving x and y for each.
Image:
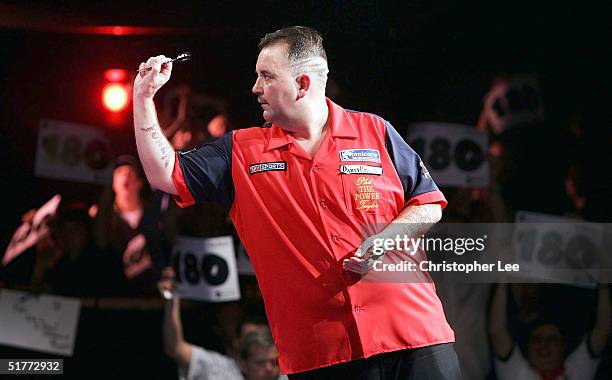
(205, 268)
(454, 154)
(72, 152)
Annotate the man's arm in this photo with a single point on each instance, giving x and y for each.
(102, 220)
(601, 331)
(501, 340)
(156, 154)
(175, 345)
(412, 222)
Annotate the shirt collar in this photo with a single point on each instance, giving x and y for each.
(278, 138)
(552, 375)
(340, 126)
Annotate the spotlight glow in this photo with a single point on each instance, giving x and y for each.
(114, 97)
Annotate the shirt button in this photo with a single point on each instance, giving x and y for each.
(357, 309)
(334, 238)
(324, 203)
(315, 167)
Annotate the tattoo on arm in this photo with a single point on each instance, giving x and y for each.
(415, 222)
(161, 144)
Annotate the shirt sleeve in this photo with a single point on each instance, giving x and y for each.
(581, 364)
(419, 187)
(514, 367)
(205, 174)
(207, 364)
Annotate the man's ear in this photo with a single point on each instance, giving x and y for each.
(303, 82)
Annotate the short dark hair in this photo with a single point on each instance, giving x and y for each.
(261, 337)
(547, 319)
(302, 42)
(254, 314)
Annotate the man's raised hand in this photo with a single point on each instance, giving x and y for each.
(147, 82)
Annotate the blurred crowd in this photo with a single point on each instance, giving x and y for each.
(120, 246)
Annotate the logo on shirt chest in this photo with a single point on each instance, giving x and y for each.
(268, 167)
(366, 195)
(361, 169)
(351, 155)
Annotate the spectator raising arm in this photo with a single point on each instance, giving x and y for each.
(603, 319)
(183, 99)
(103, 218)
(155, 152)
(175, 345)
(501, 340)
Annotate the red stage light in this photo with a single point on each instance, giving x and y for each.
(116, 75)
(115, 97)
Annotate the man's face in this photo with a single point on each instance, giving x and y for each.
(217, 126)
(262, 364)
(545, 348)
(181, 139)
(126, 180)
(275, 86)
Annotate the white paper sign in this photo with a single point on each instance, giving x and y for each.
(72, 152)
(29, 233)
(454, 154)
(43, 322)
(558, 249)
(205, 268)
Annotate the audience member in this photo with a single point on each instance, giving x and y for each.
(124, 230)
(76, 272)
(254, 354)
(546, 347)
(186, 132)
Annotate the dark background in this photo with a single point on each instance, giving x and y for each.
(407, 61)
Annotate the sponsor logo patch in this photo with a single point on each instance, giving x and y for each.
(361, 169)
(424, 170)
(366, 196)
(268, 167)
(370, 155)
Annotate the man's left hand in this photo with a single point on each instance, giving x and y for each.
(363, 259)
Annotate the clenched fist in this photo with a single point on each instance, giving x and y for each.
(147, 82)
